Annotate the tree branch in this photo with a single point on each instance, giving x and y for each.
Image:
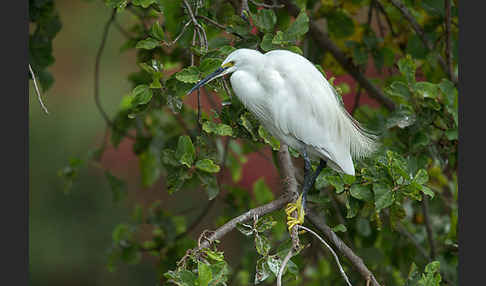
(97, 68)
(428, 227)
(259, 211)
(331, 250)
(37, 90)
(289, 195)
(325, 43)
(418, 30)
(358, 263)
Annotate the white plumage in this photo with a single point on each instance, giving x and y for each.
(297, 105)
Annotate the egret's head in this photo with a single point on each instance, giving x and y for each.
(238, 59)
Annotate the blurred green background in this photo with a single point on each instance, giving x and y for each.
(69, 234)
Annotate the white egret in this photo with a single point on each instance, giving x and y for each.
(298, 106)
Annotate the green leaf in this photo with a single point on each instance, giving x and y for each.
(401, 118)
(340, 24)
(181, 277)
(399, 90)
(185, 152)
(427, 89)
(269, 139)
(210, 184)
(262, 244)
(337, 183)
(406, 66)
(339, 228)
(149, 167)
(428, 191)
(217, 128)
(143, 3)
(266, 43)
(209, 65)
(361, 192)
(214, 255)
(265, 20)
(188, 75)
(147, 44)
(383, 196)
(298, 28)
(156, 31)
(245, 229)
(204, 273)
(262, 270)
(265, 223)
(141, 94)
(207, 165)
(431, 277)
(352, 207)
(117, 186)
(121, 232)
(262, 192)
(248, 126)
(421, 177)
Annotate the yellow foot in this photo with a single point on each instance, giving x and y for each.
(291, 207)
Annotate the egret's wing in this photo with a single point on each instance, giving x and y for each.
(308, 109)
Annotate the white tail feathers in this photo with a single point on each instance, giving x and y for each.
(362, 142)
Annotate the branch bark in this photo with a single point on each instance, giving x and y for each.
(290, 194)
(357, 262)
(259, 211)
(325, 43)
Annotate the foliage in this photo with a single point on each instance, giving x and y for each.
(187, 148)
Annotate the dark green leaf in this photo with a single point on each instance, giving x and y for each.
(149, 167)
(407, 68)
(262, 244)
(204, 274)
(188, 75)
(383, 196)
(147, 44)
(340, 24)
(185, 152)
(265, 20)
(207, 165)
(339, 228)
(268, 138)
(361, 192)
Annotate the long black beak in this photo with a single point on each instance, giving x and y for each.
(207, 79)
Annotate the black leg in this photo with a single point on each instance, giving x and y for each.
(310, 179)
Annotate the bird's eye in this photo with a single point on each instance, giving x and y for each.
(228, 64)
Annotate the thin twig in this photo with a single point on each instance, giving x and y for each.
(412, 239)
(357, 262)
(282, 267)
(387, 18)
(37, 90)
(428, 227)
(330, 249)
(260, 211)
(184, 28)
(97, 68)
(356, 100)
(420, 32)
(200, 30)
